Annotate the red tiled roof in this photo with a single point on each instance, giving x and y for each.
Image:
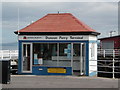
(60, 22)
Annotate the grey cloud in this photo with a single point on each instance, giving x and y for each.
(100, 16)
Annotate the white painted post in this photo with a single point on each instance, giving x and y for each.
(104, 53)
(81, 60)
(10, 54)
(26, 51)
(2, 54)
(113, 68)
(113, 64)
(72, 56)
(57, 54)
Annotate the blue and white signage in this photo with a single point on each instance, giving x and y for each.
(57, 37)
(54, 37)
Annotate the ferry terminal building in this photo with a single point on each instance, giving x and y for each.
(57, 44)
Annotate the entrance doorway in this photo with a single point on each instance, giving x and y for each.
(26, 57)
(79, 59)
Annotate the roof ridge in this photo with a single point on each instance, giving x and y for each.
(59, 14)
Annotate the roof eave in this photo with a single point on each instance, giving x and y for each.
(57, 33)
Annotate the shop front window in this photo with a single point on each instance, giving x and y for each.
(51, 54)
(64, 51)
(64, 54)
(60, 54)
(44, 53)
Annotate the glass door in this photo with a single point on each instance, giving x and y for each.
(82, 59)
(27, 57)
(78, 59)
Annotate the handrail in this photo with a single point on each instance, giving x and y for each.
(11, 54)
(108, 52)
(111, 65)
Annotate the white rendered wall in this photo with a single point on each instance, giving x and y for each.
(93, 56)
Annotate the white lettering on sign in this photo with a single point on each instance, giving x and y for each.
(54, 37)
(49, 37)
(63, 37)
(73, 37)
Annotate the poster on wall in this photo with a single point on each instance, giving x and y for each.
(35, 59)
(40, 61)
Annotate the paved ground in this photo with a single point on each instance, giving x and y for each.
(22, 81)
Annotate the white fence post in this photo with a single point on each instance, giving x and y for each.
(115, 53)
(113, 68)
(104, 53)
(1, 54)
(10, 54)
(113, 64)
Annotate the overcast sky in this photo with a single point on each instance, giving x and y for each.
(101, 16)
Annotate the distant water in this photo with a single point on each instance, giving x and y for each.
(9, 48)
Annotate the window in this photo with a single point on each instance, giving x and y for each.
(56, 54)
(44, 51)
(64, 51)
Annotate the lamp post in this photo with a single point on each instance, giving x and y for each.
(111, 32)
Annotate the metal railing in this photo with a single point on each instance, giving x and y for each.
(108, 52)
(109, 59)
(11, 54)
(101, 52)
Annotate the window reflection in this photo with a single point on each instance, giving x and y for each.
(44, 51)
(57, 54)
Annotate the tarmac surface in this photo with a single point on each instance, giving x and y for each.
(29, 81)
